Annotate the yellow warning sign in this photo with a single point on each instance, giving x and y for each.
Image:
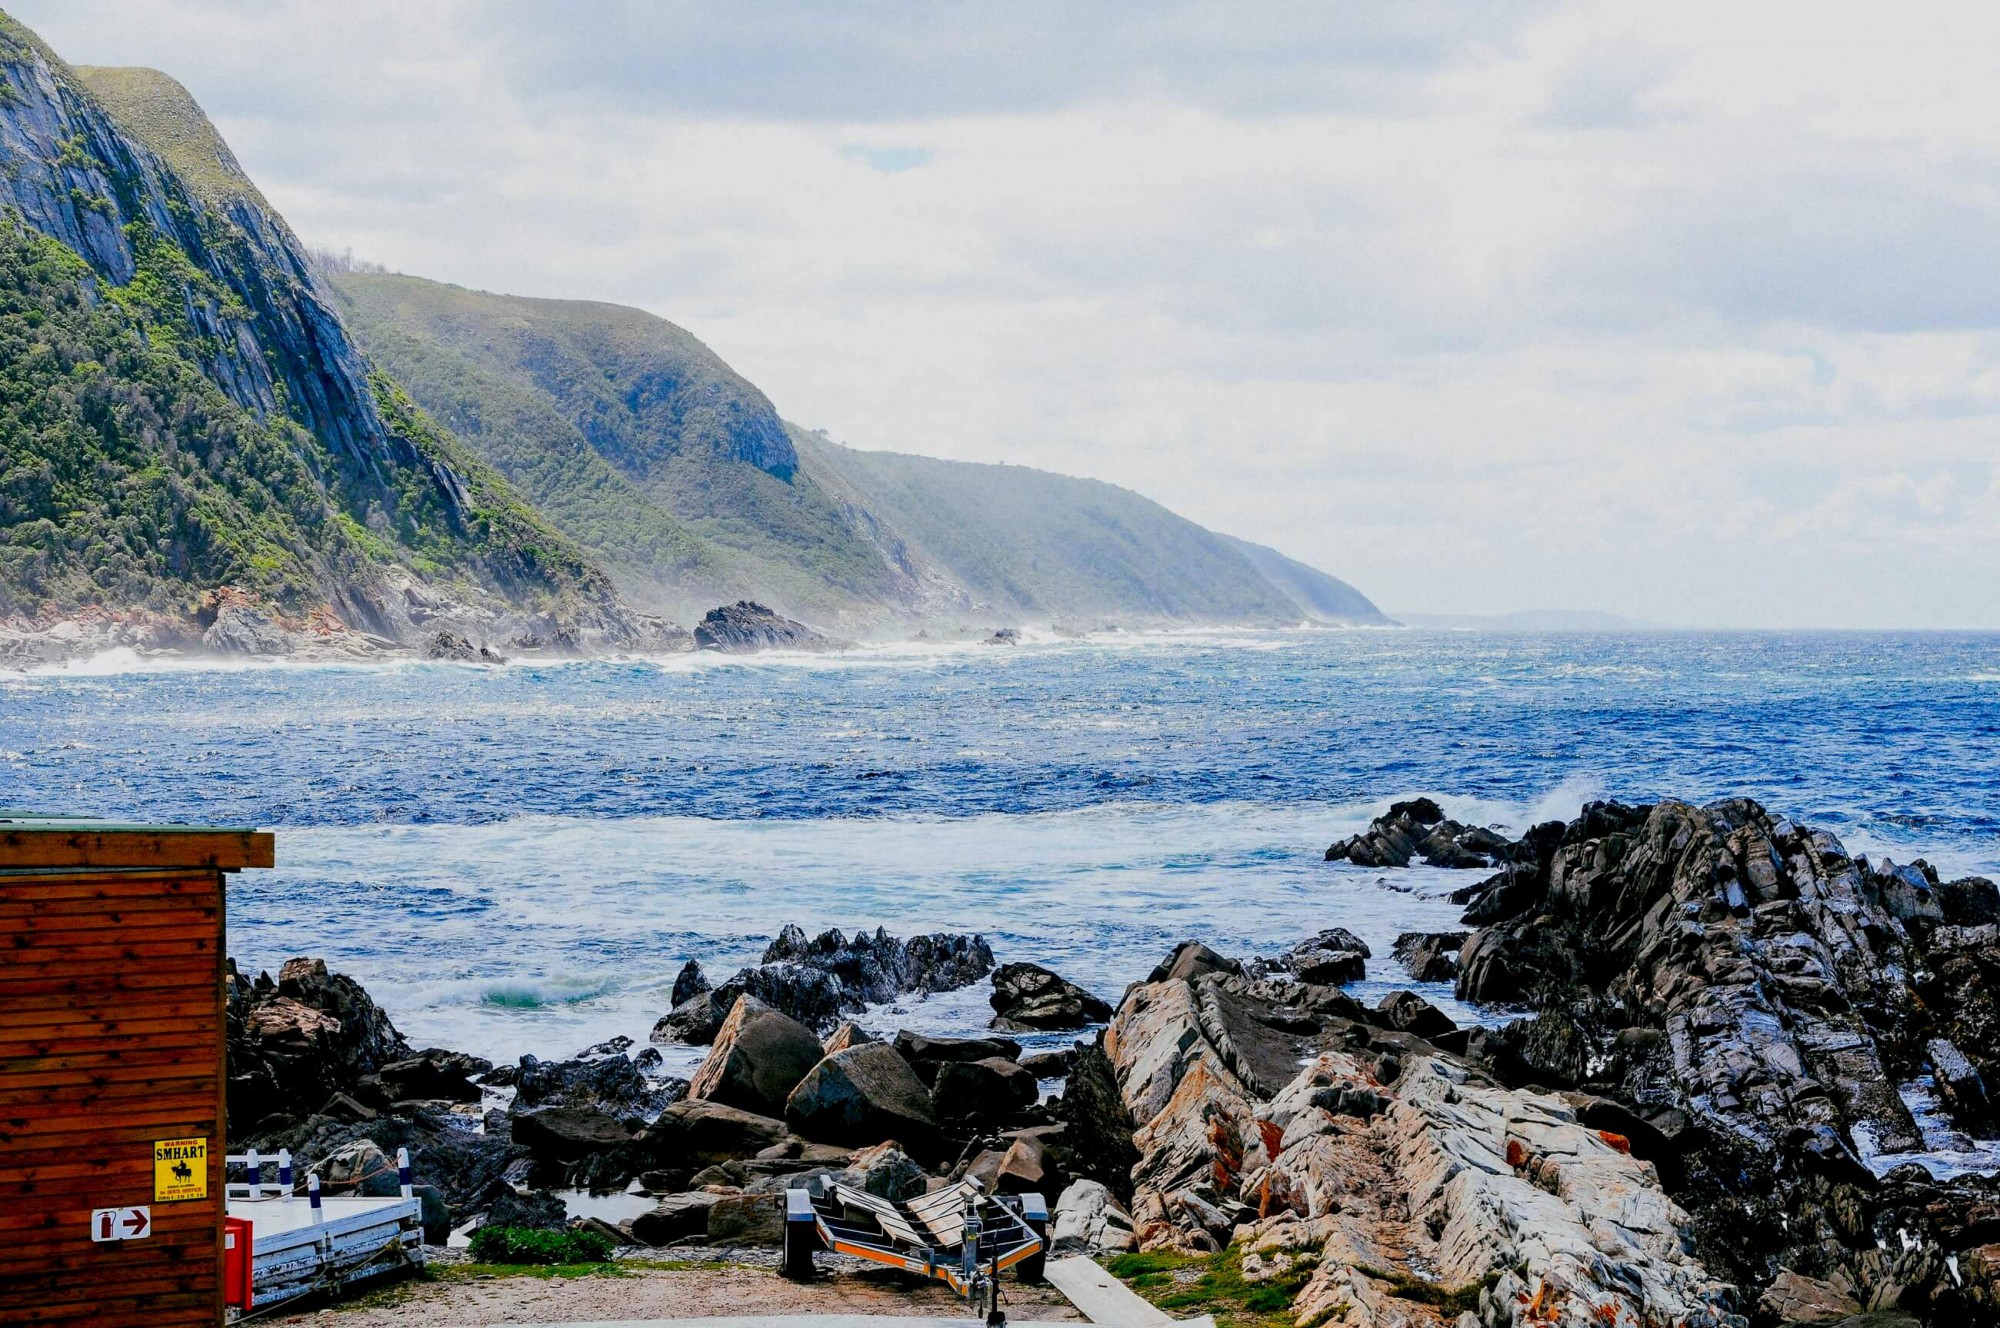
(180, 1170)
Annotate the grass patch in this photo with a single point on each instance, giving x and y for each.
(527, 1245)
(1190, 1284)
(1449, 1300)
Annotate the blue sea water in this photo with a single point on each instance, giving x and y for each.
(519, 858)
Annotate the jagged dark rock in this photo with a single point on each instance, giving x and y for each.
(1097, 1126)
(745, 627)
(818, 979)
(453, 647)
(1755, 994)
(689, 983)
(1419, 828)
(1191, 959)
(1429, 956)
(295, 1043)
(1028, 997)
(1333, 957)
(612, 1084)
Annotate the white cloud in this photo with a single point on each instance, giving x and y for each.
(1684, 312)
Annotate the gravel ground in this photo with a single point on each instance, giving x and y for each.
(454, 1299)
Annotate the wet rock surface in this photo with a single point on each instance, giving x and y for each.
(1419, 829)
(296, 1042)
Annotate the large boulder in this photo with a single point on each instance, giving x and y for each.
(1190, 960)
(746, 627)
(675, 1218)
(1089, 1220)
(926, 1054)
(988, 1091)
(759, 1057)
(568, 1134)
(1419, 828)
(689, 983)
(1030, 998)
(431, 1076)
(1097, 1126)
(694, 1134)
(861, 1096)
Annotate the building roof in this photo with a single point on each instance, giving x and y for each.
(35, 840)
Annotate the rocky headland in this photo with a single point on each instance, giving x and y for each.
(1691, 1104)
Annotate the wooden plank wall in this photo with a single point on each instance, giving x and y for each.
(111, 1037)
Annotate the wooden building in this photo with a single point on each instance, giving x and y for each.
(112, 1070)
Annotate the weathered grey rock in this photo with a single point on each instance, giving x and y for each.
(1419, 828)
(887, 1172)
(537, 1209)
(747, 1219)
(861, 1096)
(432, 1076)
(758, 1058)
(453, 647)
(1089, 1220)
(611, 1083)
(242, 628)
(1191, 959)
(746, 627)
(1028, 997)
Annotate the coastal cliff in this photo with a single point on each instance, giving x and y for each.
(193, 438)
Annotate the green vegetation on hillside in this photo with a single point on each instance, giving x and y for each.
(127, 477)
(160, 113)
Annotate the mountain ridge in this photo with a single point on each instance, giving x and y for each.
(206, 422)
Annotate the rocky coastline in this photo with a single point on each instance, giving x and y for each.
(1690, 1105)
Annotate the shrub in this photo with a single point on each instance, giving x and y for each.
(532, 1245)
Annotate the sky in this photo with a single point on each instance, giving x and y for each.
(1687, 312)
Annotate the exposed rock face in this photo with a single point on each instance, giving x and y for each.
(1097, 1127)
(1028, 997)
(612, 1084)
(1756, 995)
(816, 980)
(1419, 828)
(294, 1043)
(1384, 1158)
(864, 1095)
(745, 627)
(759, 1057)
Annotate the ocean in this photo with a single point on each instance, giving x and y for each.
(519, 858)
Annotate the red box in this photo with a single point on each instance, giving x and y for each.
(236, 1262)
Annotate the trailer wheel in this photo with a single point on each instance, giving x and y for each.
(1035, 1216)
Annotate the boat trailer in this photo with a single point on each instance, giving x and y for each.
(283, 1244)
(960, 1235)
